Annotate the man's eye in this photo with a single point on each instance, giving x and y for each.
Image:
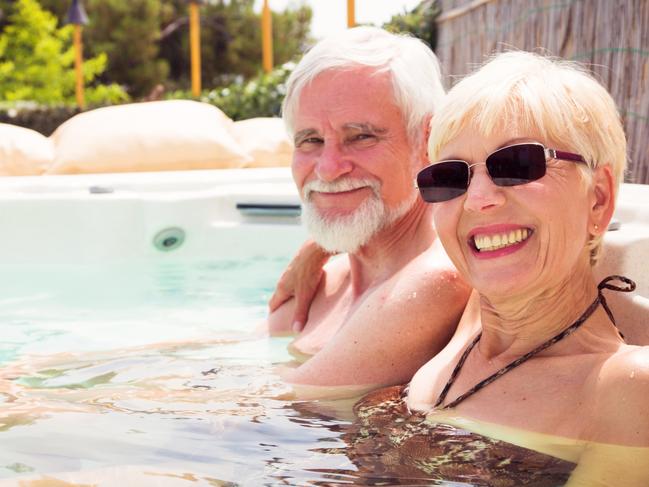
(309, 141)
(364, 137)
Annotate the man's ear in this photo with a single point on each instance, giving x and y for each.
(602, 200)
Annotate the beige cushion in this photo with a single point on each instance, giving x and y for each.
(23, 152)
(153, 136)
(265, 140)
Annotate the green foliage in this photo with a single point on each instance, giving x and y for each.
(259, 97)
(37, 58)
(291, 30)
(147, 41)
(420, 22)
(128, 32)
(230, 39)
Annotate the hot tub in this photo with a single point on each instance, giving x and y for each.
(128, 309)
(84, 219)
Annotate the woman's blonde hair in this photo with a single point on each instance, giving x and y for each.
(556, 99)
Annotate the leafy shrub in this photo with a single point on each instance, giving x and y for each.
(259, 97)
(37, 58)
(420, 22)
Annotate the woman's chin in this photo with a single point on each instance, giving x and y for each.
(503, 282)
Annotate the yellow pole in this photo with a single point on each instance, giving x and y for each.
(78, 66)
(351, 13)
(195, 47)
(267, 38)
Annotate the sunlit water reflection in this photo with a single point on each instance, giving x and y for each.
(156, 366)
(154, 375)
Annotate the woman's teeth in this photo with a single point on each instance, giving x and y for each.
(498, 241)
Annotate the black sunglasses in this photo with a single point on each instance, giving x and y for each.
(510, 166)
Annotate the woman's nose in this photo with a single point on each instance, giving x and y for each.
(482, 194)
(332, 163)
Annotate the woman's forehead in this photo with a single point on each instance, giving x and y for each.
(474, 143)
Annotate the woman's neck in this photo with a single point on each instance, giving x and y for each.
(514, 325)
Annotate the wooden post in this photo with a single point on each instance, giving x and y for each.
(195, 47)
(267, 38)
(351, 13)
(77, 17)
(78, 66)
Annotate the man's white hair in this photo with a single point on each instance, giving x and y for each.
(413, 68)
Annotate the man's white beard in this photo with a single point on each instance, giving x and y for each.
(350, 232)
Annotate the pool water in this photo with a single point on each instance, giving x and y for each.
(151, 367)
(154, 374)
(62, 309)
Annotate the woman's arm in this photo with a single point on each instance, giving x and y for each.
(300, 281)
(619, 454)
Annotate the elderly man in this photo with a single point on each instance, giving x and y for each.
(358, 107)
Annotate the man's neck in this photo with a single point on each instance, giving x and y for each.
(392, 248)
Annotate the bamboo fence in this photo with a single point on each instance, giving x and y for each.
(611, 37)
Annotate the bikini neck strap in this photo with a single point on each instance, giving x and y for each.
(604, 284)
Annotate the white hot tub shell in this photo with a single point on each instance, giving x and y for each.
(241, 213)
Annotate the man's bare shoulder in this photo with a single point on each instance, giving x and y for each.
(432, 275)
(397, 326)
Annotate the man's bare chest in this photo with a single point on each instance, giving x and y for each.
(329, 314)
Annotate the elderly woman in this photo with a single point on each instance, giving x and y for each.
(529, 153)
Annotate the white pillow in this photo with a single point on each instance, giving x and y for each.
(265, 140)
(154, 136)
(24, 152)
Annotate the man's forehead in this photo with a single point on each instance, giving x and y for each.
(358, 87)
(354, 105)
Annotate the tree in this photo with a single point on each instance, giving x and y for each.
(147, 41)
(36, 60)
(230, 39)
(420, 22)
(128, 31)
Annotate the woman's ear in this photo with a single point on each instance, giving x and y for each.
(602, 200)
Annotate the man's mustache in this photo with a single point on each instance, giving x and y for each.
(340, 185)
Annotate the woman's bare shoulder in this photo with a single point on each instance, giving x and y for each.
(621, 397)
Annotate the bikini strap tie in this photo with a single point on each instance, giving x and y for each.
(604, 284)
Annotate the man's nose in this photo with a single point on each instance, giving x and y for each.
(482, 193)
(332, 163)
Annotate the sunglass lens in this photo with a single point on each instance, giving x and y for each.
(443, 181)
(518, 164)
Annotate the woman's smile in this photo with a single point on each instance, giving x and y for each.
(496, 241)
